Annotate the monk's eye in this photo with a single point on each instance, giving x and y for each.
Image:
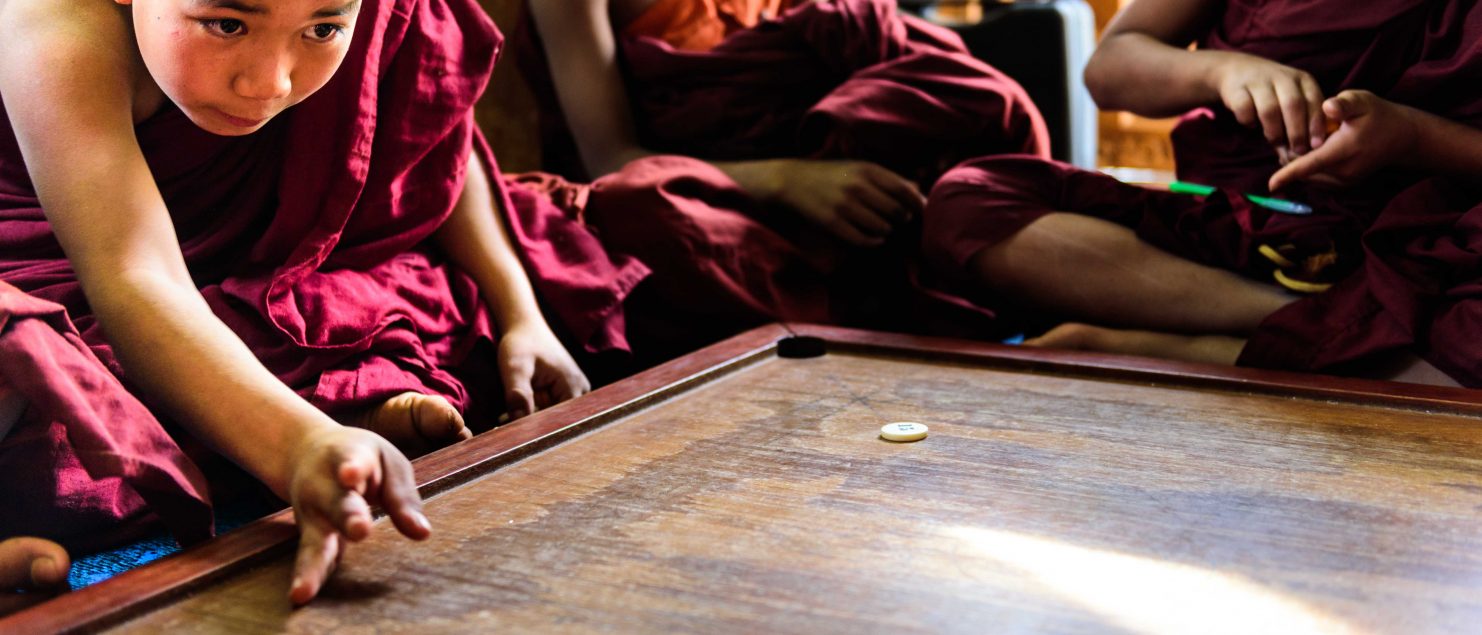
(325, 32)
(225, 27)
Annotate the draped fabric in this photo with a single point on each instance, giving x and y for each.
(309, 240)
(1401, 238)
(700, 26)
(847, 79)
(853, 79)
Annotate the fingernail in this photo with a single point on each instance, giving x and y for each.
(423, 522)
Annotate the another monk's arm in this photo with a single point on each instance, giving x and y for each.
(535, 367)
(74, 123)
(581, 49)
(1144, 65)
(858, 202)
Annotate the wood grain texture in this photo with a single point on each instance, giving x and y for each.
(1054, 494)
(142, 589)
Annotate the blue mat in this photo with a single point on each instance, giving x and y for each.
(94, 568)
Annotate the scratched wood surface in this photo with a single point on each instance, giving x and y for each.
(764, 502)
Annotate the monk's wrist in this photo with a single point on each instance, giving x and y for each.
(761, 179)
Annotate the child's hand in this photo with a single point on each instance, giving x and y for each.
(1372, 133)
(338, 473)
(1283, 102)
(856, 201)
(537, 370)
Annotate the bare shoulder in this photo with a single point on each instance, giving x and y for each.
(73, 55)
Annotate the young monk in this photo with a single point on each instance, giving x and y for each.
(1366, 114)
(265, 220)
(766, 158)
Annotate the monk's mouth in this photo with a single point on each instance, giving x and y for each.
(241, 122)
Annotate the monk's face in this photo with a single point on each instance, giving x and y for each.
(231, 65)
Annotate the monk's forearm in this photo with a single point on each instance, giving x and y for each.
(195, 368)
(1134, 72)
(477, 241)
(1446, 147)
(762, 179)
(582, 53)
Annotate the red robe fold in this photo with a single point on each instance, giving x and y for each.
(309, 240)
(1423, 54)
(847, 79)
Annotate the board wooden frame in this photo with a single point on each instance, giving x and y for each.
(142, 590)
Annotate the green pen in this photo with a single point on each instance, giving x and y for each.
(1273, 204)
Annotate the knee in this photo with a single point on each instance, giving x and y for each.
(982, 203)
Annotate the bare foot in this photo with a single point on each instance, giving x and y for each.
(32, 563)
(1210, 349)
(415, 423)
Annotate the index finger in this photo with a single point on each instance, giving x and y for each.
(318, 550)
(1268, 113)
(1317, 125)
(399, 496)
(1294, 113)
(519, 395)
(1305, 167)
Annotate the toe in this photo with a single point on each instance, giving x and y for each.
(32, 563)
(437, 420)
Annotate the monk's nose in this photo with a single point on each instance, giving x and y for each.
(265, 78)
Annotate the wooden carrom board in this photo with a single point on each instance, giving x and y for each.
(742, 490)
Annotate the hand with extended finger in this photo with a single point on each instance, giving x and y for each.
(537, 370)
(1284, 103)
(1372, 133)
(858, 202)
(337, 474)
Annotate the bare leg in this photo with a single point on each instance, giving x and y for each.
(1095, 270)
(1210, 349)
(1214, 349)
(414, 422)
(32, 563)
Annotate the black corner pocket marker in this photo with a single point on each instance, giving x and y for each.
(800, 346)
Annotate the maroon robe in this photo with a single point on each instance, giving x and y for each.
(847, 79)
(310, 240)
(1423, 54)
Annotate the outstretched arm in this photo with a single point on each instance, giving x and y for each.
(74, 122)
(1144, 65)
(536, 369)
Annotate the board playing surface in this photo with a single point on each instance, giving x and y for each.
(752, 493)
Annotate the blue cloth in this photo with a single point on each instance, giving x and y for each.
(94, 568)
